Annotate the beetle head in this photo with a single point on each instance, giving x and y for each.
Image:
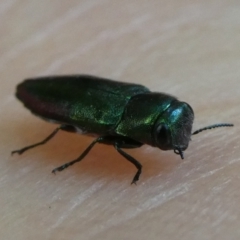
(172, 129)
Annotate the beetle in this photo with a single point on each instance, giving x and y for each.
(124, 115)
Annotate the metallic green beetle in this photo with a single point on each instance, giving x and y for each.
(124, 115)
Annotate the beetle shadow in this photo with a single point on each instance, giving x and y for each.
(102, 161)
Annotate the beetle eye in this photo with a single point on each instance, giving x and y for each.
(163, 138)
(162, 132)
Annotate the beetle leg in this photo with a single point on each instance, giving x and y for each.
(132, 160)
(86, 151)
(117, 142)
(22, 150)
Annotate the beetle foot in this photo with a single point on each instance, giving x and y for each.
(58, 169)
(135, 179)
(20, 151)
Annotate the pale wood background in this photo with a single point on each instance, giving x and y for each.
(190, 49)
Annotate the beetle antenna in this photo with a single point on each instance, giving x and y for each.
(213, 126)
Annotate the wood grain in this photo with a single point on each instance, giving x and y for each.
(189, 49)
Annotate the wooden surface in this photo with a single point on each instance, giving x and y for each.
(190, 49)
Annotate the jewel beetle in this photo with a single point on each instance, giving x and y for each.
(124, 115)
